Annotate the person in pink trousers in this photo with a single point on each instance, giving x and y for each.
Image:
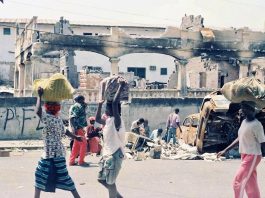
(251, 140)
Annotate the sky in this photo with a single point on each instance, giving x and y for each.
(216, 13)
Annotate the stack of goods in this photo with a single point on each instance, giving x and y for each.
(245, 89)
(109, 87)
(56, 88)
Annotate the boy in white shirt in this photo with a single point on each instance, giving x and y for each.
(113, 143)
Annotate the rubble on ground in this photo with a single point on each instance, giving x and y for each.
(141, 148)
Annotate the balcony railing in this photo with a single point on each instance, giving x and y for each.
(92, 95)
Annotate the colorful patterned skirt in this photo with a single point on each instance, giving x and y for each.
(51, 174)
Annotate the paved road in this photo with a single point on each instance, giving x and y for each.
(138, 179)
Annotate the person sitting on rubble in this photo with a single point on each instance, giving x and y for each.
(137, 125)
(156, 134)
(93, 136)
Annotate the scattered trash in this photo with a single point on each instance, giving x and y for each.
(140, 148)
(128, 156)
(212, 157)
(140, 156)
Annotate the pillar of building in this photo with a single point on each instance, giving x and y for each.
(114, 66)
(35, 67)
(244, 66)
(68, 68)
(16, 77)
(174, 77)
(16, 80)
(21, 78)
(183, 76)
(28, 79)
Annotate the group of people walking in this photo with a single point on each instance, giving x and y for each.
(51, 172)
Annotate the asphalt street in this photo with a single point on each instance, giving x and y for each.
(138, 179)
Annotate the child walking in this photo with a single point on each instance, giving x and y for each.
(113, 143)
(51, 172)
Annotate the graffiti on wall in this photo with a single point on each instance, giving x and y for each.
(19, 119)
(22, 122)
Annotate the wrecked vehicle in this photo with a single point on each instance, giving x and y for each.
(215, 127)
(218, 125)
(220, 116)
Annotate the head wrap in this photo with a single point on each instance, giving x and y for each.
(52, 108)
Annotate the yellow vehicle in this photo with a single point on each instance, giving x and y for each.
(189, 129)
(216, 125)
(216, 128)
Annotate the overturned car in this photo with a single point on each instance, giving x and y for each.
(217, 125)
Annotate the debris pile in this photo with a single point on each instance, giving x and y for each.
(141, 148)
(180, 151)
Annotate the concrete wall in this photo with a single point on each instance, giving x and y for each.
(7, 44)
(7, 56)
(195, 66)
(18, 120)
(156, 110)
(7, 73)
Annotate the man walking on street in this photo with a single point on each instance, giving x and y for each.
(250, 138)
(173, 122)
(78, 122)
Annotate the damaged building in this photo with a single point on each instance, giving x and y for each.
(192, 61)
(192, 57)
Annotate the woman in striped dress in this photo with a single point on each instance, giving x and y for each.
(51, 172)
